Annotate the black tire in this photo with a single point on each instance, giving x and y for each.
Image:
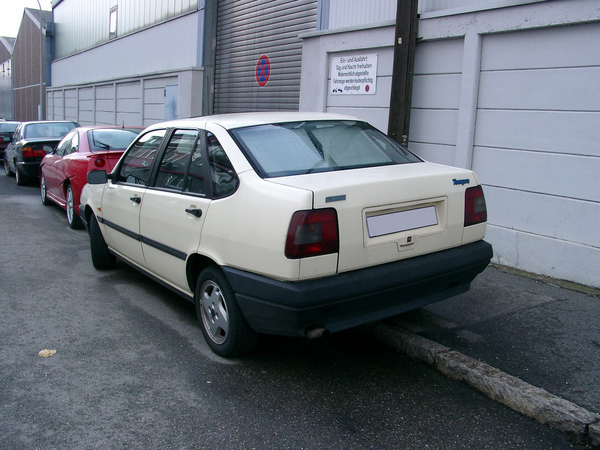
(223, 324)
(21, 179)
(72, 216)
(7, 171)
(101, 256)
(43, 191)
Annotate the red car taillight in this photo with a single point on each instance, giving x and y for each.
(30, 152)
(99, 162)
(475, 209)
(312, 233)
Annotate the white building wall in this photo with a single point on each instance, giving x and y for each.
(512, 92)
(352, 13)
(170, 46)
(318, 51)
(123, 81)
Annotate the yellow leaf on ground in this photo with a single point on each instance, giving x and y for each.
(47, 353)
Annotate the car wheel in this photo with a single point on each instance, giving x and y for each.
(45, 200)
(72, 217)
(223, 324)
(101, 256)
(21, 180)
(7, 170)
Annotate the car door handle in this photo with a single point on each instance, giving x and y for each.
(194, 212)
(138, 200)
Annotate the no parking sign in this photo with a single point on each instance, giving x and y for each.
(263, 70)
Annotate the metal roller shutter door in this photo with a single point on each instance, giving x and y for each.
(248, 29)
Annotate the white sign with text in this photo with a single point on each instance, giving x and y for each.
(354, 74)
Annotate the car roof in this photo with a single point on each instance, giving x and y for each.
(107, 127)
(34, 122)
(239, 120)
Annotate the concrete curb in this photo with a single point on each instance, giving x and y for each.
(582, 425)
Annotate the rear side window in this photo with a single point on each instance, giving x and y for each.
(223, 177)
(137, 163)
(65, 145)
(173, 169)
(318, 146)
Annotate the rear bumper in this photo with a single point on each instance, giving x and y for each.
(29, 169)
(354, 298)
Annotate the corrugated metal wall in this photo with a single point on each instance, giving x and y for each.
(80, 27)
(6, 105)
(248, 29)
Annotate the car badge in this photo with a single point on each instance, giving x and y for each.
(461, 182)
(335, 198)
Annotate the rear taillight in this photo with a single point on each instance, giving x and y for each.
(99, 162)
(30, 152)
(475, 209)
(312, 233)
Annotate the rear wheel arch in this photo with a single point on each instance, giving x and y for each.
(196, 263)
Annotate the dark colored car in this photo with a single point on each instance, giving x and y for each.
(63, 172)
(6, 131)
(31, 141)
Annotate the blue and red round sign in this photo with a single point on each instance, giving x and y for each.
(263, 70)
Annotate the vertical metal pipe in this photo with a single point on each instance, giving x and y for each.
(42, 112)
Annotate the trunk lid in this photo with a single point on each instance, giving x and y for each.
(110, 157)
(391, 212)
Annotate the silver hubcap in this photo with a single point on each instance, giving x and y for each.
(70, 205)
(215, 316)
(43, 189)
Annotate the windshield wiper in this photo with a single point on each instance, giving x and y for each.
(98, 143)
(316, 143)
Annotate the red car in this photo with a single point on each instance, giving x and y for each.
(63, 173)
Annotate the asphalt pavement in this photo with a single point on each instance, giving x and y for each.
(528, 342)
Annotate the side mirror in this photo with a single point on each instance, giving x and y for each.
(97, 177)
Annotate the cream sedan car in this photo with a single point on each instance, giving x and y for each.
(296, 224)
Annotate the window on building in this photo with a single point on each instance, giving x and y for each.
(112, 23)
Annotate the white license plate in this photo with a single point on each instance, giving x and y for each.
(401, 221)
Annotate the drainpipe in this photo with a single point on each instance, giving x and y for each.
(42, 106)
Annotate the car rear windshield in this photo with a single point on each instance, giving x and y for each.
(111, 139)
(297, 148)
(8, 127)
(47, 130)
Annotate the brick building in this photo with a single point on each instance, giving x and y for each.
(26, 64)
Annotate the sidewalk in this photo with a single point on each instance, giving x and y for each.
(529, 344)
